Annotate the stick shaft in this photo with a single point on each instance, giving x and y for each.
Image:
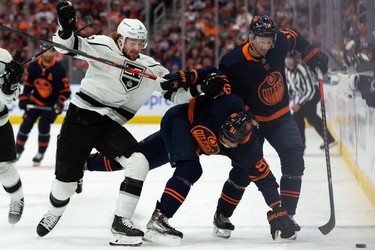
(326, 228)
(50, 47)
(33, 106)
(83, 54)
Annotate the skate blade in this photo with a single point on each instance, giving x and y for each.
(123, 240)
(36, 164)
(222, 233)
(279, 239)
(155, 237)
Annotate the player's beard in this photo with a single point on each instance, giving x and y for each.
(132, 54)
(48, 59)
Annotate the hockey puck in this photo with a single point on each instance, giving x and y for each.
(360, 245)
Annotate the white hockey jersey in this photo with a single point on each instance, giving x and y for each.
(112, 91)
(5, 57)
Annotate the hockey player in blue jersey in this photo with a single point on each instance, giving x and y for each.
(210, 125)
(256, 71)
(45, 90)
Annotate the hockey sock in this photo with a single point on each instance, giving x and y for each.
(174, 195)
(20, 142)
(43, 141)
(130, 190)
(10, 180)
(99, 162)
(230, 197)
(290, 187)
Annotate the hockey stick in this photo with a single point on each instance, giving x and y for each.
(33, 106)
(325, 229)
(89, 20)
(83, 54)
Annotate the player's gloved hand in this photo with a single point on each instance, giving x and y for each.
(215, 85)
(66, 19)
(59, 106)
(12, 76)
(253, 117)
(280, 223)
(179, 79)
(315, 58)
(23, 101)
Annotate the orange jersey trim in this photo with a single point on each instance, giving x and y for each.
(191, 110)
(246, 53)
(279, 113)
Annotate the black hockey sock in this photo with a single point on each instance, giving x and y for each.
(173, 196)
(230, 197)
(98, 162)
(290, 188)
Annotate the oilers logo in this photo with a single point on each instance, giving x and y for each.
(43, 86)
(271, 90)
(131, 81)
(206, 139)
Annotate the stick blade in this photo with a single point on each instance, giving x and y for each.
(329, 226)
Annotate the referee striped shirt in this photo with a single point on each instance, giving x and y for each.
(302, 83)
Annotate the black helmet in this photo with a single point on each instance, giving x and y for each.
(263, 26)
(237, 127)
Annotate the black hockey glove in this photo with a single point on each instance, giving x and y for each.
(59, 106)
(23, 101)
(215, 85)
(66, 19)
(179, 79)
(315, 58)
(12, 76)
(280, 223)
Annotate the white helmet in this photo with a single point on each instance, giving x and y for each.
(5, 57)
(132, 28)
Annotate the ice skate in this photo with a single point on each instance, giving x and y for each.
(37, 159)
(79, 186)
(48, 222)
(124, 233)
(160, 232)
(297, 228)
(222, 226)
(18, 155)
(15, 210)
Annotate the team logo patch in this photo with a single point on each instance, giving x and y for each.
(43, 87)
(271, 90)
(206, 139)
(129, 80)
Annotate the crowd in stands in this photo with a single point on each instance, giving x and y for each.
(39, 18)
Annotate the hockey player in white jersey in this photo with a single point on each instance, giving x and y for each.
(10, 75)
(108, 98)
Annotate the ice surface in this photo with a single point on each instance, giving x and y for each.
(86, 222)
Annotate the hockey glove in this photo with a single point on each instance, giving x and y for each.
(315, 58)
(23, 101)
(59, 106)
(66, 19)
(280, 223)
(179, 79)
(215, 85)
(12, 76)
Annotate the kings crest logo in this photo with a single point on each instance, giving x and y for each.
(129, 80)
(271, 90)
(206, 139)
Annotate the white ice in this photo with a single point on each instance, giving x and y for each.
(86, 222)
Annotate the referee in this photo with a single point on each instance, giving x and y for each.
(303, 85)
